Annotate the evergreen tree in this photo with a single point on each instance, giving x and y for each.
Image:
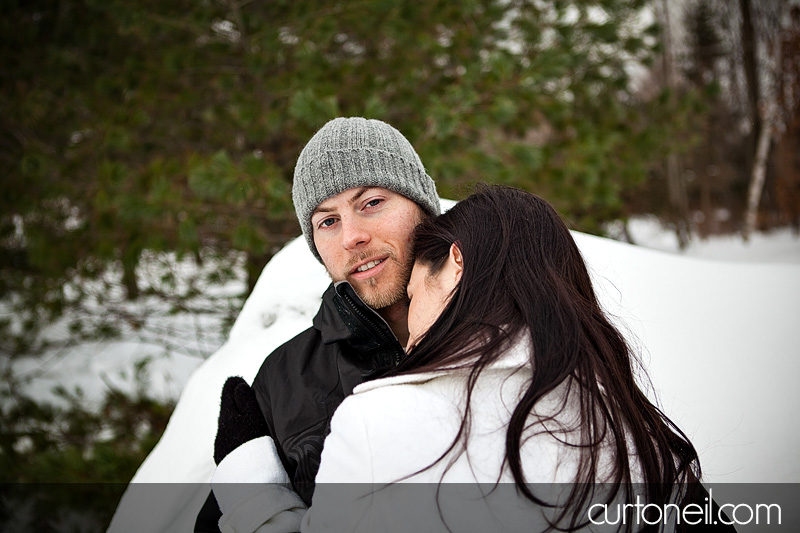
(148, 126)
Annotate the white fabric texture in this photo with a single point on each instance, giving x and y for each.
(374, 473)
(255, 461)
(253, 491)
(390, 428)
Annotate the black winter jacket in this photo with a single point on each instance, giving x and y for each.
(302, 382)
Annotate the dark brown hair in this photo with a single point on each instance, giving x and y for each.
(523, 273)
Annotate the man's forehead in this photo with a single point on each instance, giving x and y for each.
(348, 196)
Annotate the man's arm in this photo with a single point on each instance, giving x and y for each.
(208, 518)
(250, 483)
(255, 494)
(249, 471)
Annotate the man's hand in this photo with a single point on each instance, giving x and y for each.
(251, 487)
(240, 418)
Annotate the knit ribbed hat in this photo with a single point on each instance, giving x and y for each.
(357, 152)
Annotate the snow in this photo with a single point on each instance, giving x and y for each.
(777, 246)
(719, 339)
(92, 367)
(151, 331)
(720, 343)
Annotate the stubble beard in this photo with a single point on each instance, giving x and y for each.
(390, 291)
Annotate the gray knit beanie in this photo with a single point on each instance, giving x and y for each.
(357, 152)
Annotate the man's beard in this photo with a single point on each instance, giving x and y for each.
(390, 291)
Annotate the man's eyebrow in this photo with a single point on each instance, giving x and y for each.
(351, 201)
(358, 194)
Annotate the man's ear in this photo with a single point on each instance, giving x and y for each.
(455, 263)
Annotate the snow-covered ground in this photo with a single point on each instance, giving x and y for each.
(777, 246)
(717, 325)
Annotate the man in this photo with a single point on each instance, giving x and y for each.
(359, 191)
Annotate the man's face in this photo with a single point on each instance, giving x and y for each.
(363, 236)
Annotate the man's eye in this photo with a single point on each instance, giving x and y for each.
(374, 203)
(327, 222)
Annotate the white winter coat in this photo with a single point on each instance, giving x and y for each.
(392, 429)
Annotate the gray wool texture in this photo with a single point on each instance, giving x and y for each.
(357, 152)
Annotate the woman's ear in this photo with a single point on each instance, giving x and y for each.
(455, 263)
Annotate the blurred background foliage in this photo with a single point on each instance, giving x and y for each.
(65, 465)
(175, 126)
(133, 132)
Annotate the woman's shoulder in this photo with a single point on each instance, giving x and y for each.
(514, 362)
(408, 395)
(395, 383)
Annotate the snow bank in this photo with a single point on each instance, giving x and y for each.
(720, 341)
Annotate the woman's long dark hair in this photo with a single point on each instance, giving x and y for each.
(523, 273)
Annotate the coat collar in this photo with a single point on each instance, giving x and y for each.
(344, 317)
(516, 357)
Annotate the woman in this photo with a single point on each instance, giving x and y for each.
(516, 407)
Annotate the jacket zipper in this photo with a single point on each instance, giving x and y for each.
(370, 320)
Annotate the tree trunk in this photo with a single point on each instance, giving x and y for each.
(678, 201)
(129, 280)
(255, 264)
(751, 75)
(676, 188)
(707, 226)
(757, 178)
(768, 118)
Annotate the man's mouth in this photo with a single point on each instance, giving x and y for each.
(370, 265)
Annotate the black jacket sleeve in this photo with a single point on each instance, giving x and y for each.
(209, 515)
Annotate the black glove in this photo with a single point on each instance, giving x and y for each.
(240, 418)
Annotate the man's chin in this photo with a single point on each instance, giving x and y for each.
(377, 296)
(383, 290)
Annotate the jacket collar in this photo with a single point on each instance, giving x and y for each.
(328, 321)
(516, 357)
(344, 317)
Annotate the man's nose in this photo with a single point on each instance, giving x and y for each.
(354, 233)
